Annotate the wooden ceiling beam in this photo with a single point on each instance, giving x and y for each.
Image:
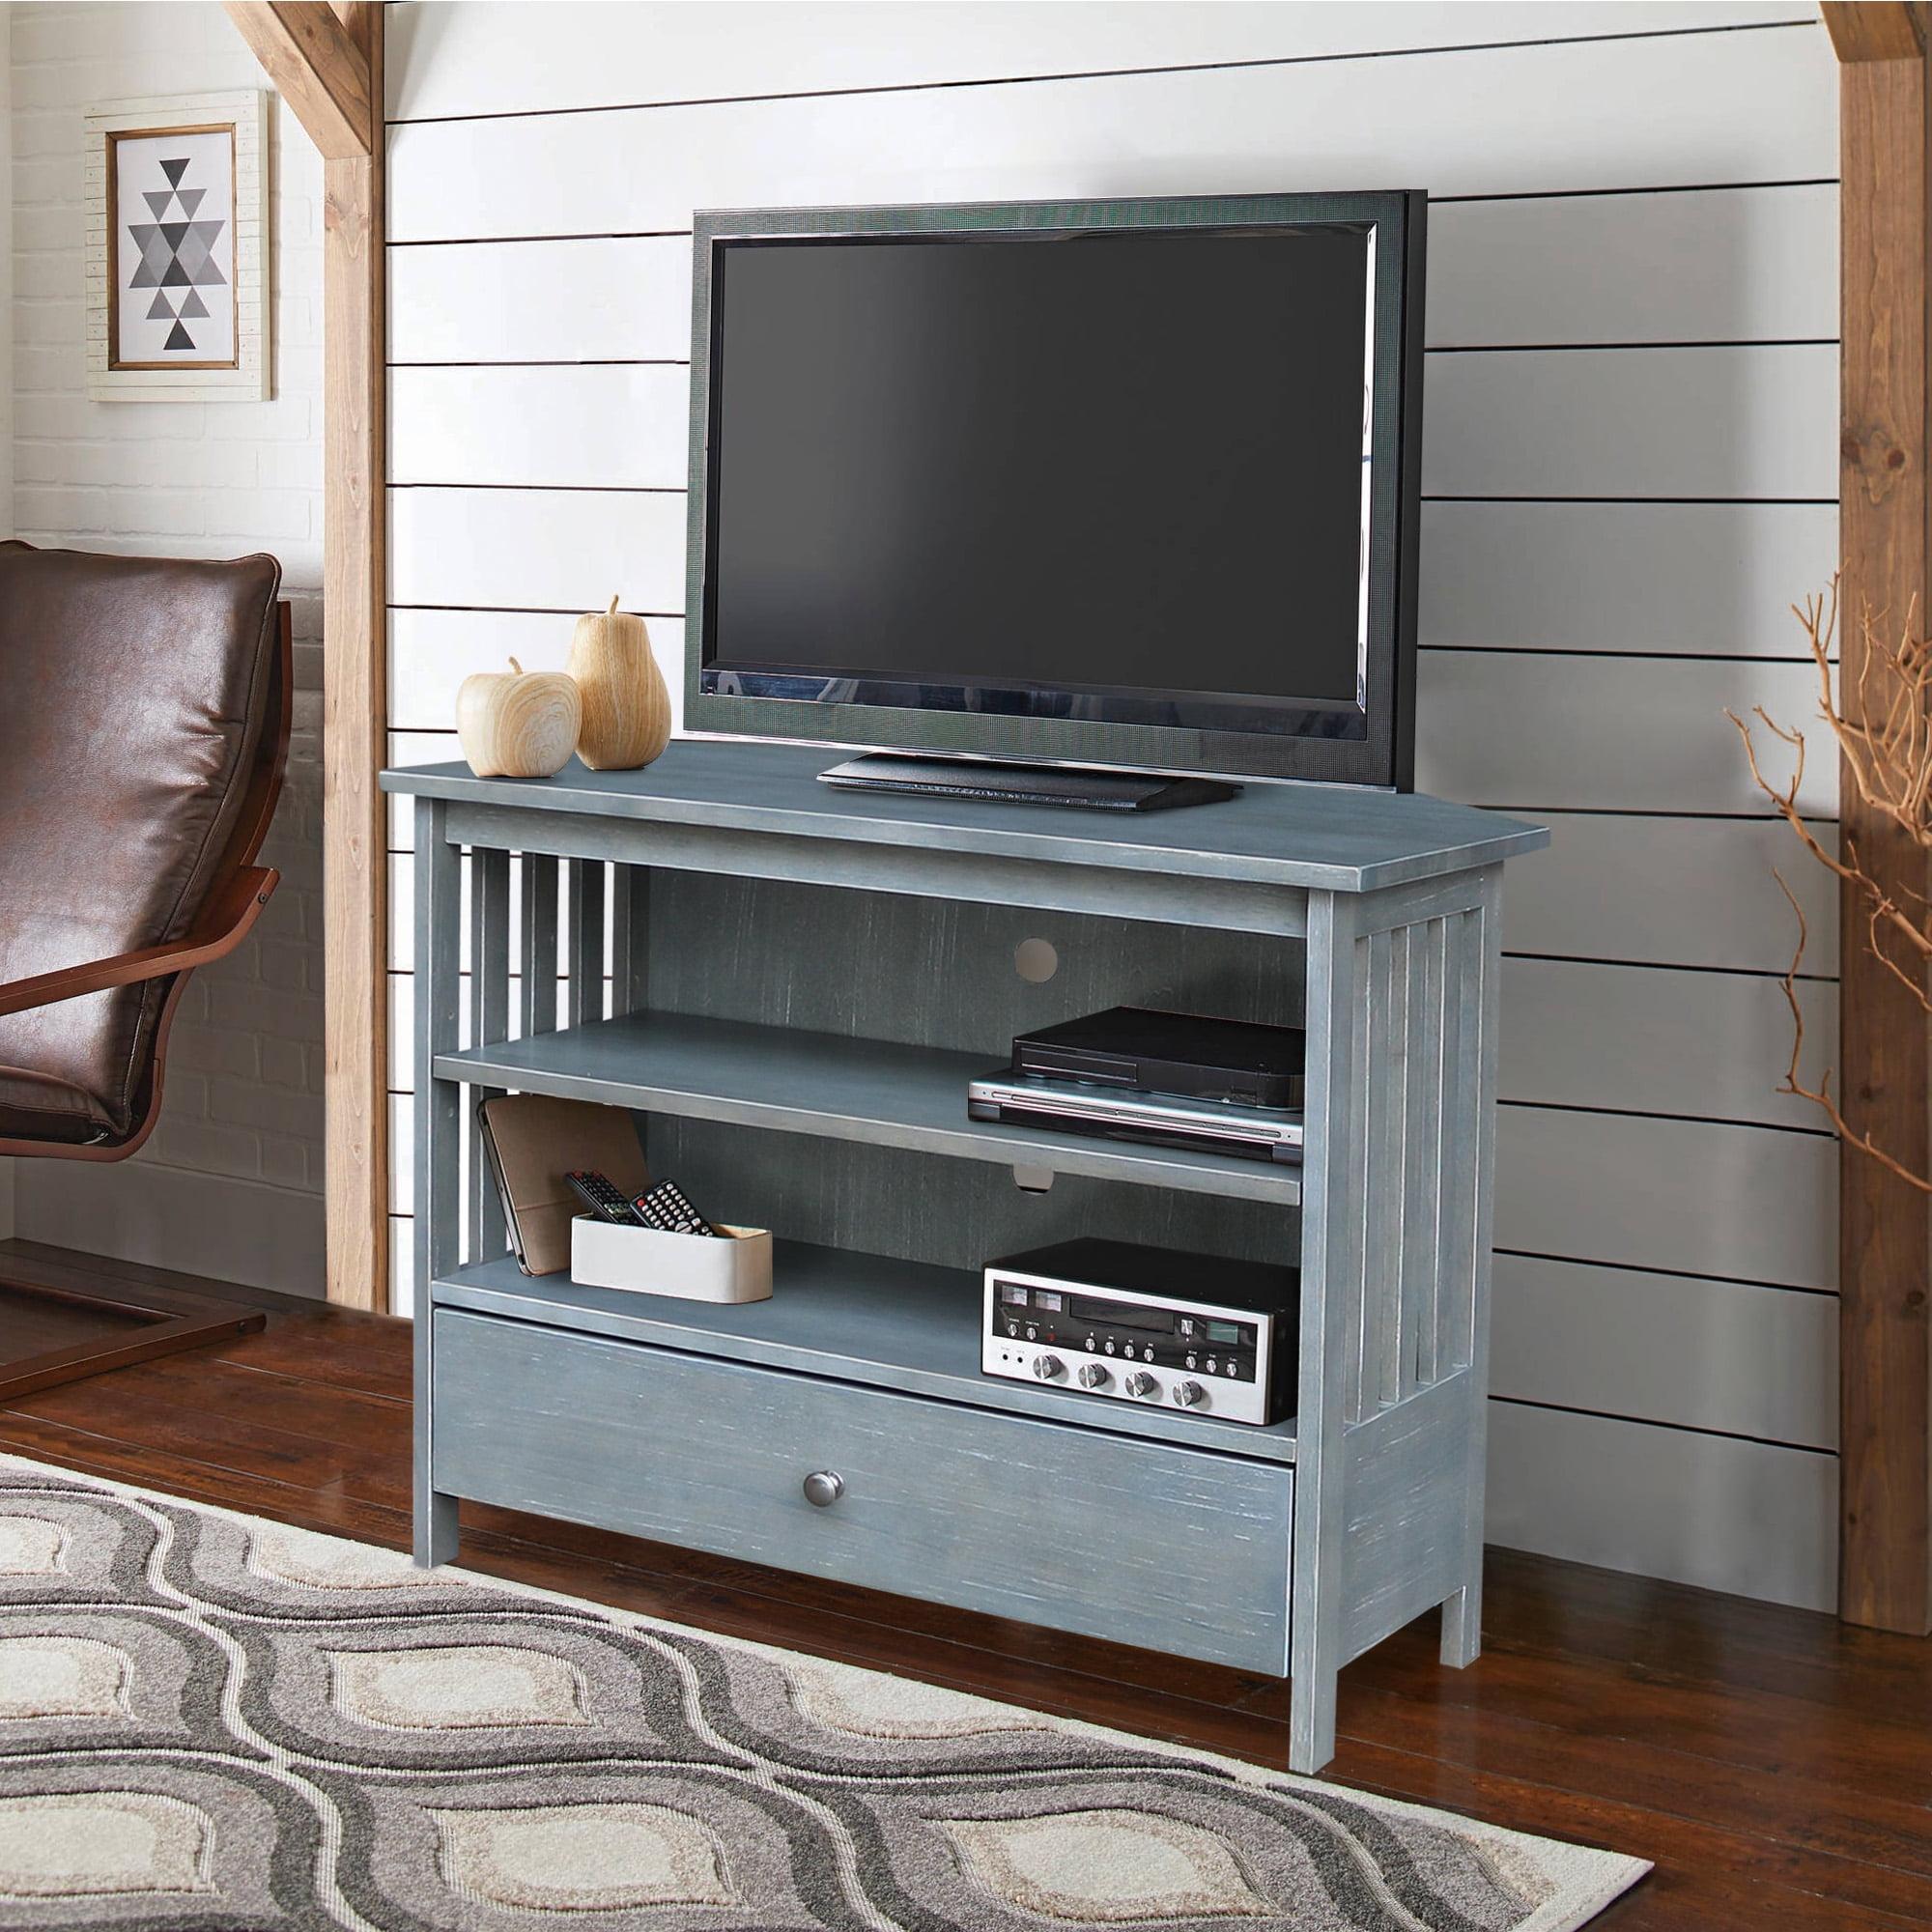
(1885, 1045)
(355, 706)
(1875, 30)
(318, 67)
(326, 58)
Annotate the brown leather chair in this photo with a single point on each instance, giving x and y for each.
(144, 726)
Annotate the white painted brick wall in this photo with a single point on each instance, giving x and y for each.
(230, 1183)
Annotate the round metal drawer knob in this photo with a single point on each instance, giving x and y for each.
(823, 1487)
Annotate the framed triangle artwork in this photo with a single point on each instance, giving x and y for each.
(177, 239)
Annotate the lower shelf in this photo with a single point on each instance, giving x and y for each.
(854, 1316)
(1143, 1543)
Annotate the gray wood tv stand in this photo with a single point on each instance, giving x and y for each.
(800, 983)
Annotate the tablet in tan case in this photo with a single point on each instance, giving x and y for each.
(532, 1142)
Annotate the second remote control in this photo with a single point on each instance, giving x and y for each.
(603, 1197)
(666, 1208)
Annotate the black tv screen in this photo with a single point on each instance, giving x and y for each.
(1106, 492)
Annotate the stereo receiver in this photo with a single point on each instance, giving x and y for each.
(1147, 1326)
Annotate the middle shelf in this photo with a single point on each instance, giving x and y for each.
(877, 1092)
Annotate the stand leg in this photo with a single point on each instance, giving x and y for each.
(437, 1536)
(438, 1135)
(1310, 1721)
(1463, 1625)
(1331, 1281)
(1462, 1613)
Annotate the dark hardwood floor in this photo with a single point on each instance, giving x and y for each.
(1776, 1764)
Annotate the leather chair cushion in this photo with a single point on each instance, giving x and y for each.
(133, 697)
(37, 1107)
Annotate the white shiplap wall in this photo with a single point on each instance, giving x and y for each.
(1631, 466)
(230, 1186)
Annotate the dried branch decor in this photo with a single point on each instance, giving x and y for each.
(1886, 754)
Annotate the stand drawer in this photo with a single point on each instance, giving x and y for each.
(1173, 1548)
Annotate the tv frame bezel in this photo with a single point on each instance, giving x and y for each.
(1384, 756)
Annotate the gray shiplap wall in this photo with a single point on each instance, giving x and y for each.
(1631, 466)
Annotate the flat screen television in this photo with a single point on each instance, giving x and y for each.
(1119, 484)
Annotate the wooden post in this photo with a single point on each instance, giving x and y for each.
(1884, 1245)
(326, 57)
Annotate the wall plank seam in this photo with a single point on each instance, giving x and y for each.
(1074, 76)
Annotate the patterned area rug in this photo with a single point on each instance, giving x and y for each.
(210, 1724)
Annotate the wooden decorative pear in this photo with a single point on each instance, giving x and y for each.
(626, 707)
(518, 724)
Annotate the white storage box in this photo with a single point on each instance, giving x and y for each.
(694, 1268)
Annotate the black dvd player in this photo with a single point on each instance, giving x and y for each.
(1186, 1053)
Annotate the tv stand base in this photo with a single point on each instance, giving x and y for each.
(1026, 784)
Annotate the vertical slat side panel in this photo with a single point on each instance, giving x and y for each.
(584, 943)
(1471, 1160)
(1462, 997)
(1363, 1019)
(1478, 1044)
(538, 951)
(489, 1020)
(438, 1134)
(1485, 944)
(1432, 1348)
(1332, 1242)
(1388, 1195)
(1423, 1141)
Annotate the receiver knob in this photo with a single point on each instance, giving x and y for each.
(1048, 1367)
(1143, 1384)
(1189, 1395)
(823, 1487)
(1092, 1376)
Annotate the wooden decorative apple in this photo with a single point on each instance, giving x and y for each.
(519, 724)
(626, 707)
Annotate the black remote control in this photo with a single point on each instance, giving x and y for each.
(601, 1194)
(666, 1208)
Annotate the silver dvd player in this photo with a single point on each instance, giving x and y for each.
(1163, 1119)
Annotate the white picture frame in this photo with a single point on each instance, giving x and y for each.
(178, 256)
